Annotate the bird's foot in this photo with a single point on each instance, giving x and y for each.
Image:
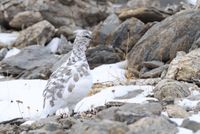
(63, 112)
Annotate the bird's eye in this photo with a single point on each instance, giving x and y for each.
(86, 36)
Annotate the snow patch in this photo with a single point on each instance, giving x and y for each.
(109, 72)
(53, 45)
(12, 52)
(21, 98)
(186, 103)
(178, 121)
(195, 117)
(110, 93)
(182, 130)
(8, 39)
(165, 114)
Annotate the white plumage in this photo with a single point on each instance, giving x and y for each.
(70, 82)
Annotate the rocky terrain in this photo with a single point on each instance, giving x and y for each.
(159, 41)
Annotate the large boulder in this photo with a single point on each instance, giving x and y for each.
(40, 33)
(162, 41)
(33, 62)
(99, 127)
(153, 125)
(185, 67)
(175, 111)
(103, 30)
(25, 19)
(125, 36)
(130, 113)
(144, 14)
(168, 89)
(102, 55)
(192, 125)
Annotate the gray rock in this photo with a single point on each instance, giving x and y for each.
(31, 63)
(130, 94)
(172, 68)
(118, 1)
(52, 126)
(107, 113)
(102, 55)
(197, 107)
(149, 81)
(152, 64)
(99, 127)
(91, 15)
(103, 30)
(145, 109)
(175, 111)
(154, 72)
(171, 89)
(185, 68)
(192, 125)
(48, 128)
(25, 19)
(38, 33)
(59, 45)
(64, 46)
(153, 125)
(67, 31)
(156, 44)
(143, 3)
(9, 129)
(3, 53)
(67, 123)
(128, 117)
(144, 14)
(130, 113)
(60, 15)
(67, 2)
(127, 34)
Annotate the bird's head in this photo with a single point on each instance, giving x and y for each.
(83, 37)
(83, 33)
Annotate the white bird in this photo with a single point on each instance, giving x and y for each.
(71, 81)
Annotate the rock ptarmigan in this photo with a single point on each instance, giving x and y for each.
(71, 81)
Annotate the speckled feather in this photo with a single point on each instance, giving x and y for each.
(70, 82)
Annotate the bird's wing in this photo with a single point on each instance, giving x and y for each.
(57, 83)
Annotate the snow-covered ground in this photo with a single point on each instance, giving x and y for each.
(109, 72)
(110, 93)
(20, 98)
(23, 98)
